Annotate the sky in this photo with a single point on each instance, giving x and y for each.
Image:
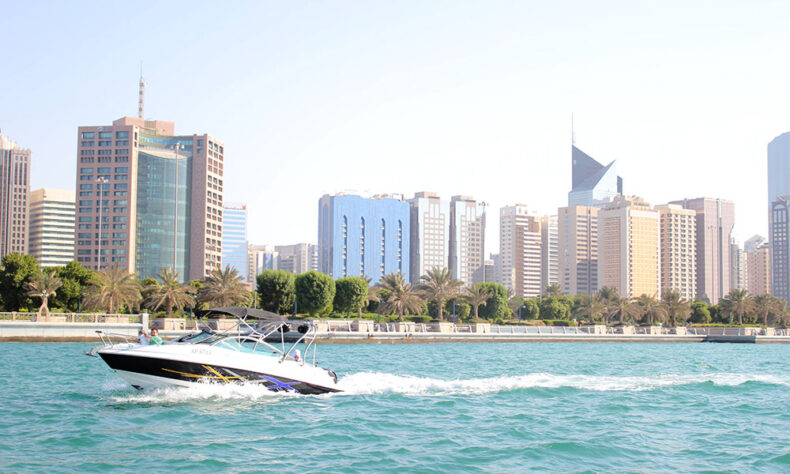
(455, 97)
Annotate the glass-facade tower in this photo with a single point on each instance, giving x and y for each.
(234, 238)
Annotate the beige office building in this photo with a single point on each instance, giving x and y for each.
(467, 238)
(629, 247)
(758, 269)
(297, 258)
(148, 199)
(14, 204)
(577, 249)
(678, 250)
(520, 249)
(52, 226)
(430, 234)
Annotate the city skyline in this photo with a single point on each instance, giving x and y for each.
(312, 107)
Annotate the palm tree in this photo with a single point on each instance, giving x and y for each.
(373, 295)
(737, 302)
(439, 286)
(650, 309)
(400, 296)
(592, 306)
(768, 306)
(223, 288)
(674, 305)
(553, 290)
(476, 296)
(171, 293)
(113, 288)
(622, 308)
(609, 293)
(43, 285)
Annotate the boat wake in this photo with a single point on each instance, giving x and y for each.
(375, 383)
(370, 383)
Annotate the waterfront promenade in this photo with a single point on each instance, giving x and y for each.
(68, 327)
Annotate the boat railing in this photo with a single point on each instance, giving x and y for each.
(112, 338)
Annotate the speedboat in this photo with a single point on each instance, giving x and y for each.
(251, 352)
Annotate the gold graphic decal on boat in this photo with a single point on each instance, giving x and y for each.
(216, 376)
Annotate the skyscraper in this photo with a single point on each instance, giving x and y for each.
(261, 257)
(52, 226)
(363, 236)
(577, 235)
(14, 204)
(549, 260)
(234, 238)
(629, 247)
(520, 250)
(297, 258)
(593, 184)
(780, 248)
(430, 234)
(778, 168)
(678, 250)
(758, 273)
(149, 199)
(715, 220)
(467, 237)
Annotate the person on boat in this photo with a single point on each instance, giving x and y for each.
(155, 339)
(143, 337)
(297, 355)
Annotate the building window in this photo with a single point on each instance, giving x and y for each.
(121, 134)
(88, 135)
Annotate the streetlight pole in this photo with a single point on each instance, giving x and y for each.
(176, 147)
(100, 182)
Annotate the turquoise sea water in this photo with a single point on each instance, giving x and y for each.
(415, 407)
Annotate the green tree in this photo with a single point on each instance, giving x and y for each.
(555, 307)
(769, 307)
(398, 296)
(76, 279)
(737, 303)
(223, 288)
(496, 305)
(650, 310)
(276, 291)
(621, 308)
(170, 293)
(437, 285)
(350, 295)
(552, 290)
(477, 295)
(530, 309)
(112, 289)
(592, 307)
(372, 297)
(675, 306)
(609, 293)
(700, 314)
(43, 285)
(15, 271)
(314, 292)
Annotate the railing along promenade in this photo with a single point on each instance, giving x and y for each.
(20, 326)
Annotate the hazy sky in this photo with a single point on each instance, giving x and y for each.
(470, 98)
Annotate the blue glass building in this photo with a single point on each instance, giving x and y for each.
(234, 238)
(593, 184)
(367, 237)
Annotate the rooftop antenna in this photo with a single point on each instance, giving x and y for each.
(142, 94)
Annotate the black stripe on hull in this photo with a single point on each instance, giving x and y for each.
(195, 372)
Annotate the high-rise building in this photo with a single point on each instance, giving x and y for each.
(234, 238)
(363, 236)
(780, 248)
(778, 168)
(52, 226)
(14, 191)
(260, 257)
(520, 249)
(486, 273)
(753, 242)
(577, 235)
(593, 184)
(467, 237)
(430, 234)
(737, 266)
(549, 260)
(297, 258)
(629, 247)
(678, 250)
(149, 199)
(758, 273)
(715, 220)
